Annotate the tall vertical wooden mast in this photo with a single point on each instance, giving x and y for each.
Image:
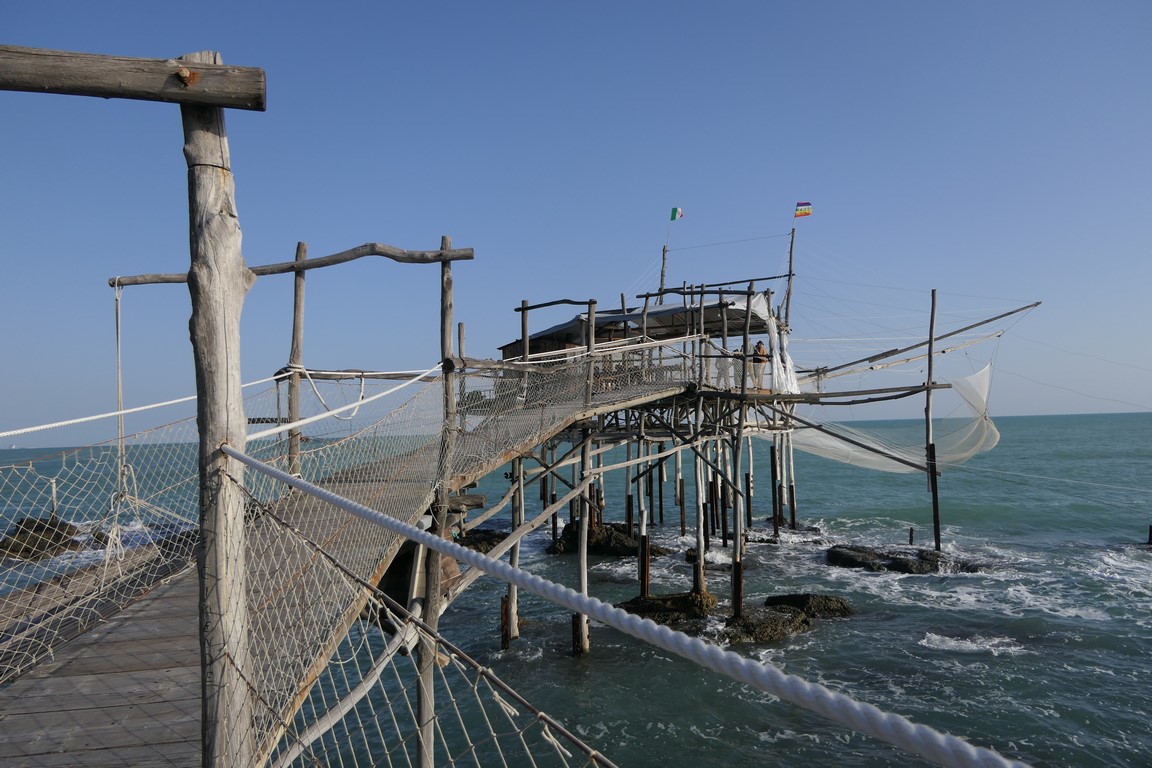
(929, 439)
(788, 291)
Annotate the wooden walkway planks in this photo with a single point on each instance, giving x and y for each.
(126, 693)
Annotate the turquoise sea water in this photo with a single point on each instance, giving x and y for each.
(1045, 655)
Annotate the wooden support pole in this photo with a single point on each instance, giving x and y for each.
(699, 582)
(629, 498)
(644, 552)
(296, 362)
(748, 499)
(774, 459)
(683, 506)
(749, 482)
(433, 590)
(661, 478)
(581, 642)
(738, 510)
(552, 477)
(512, 615)
(218, 280)
(929, 440)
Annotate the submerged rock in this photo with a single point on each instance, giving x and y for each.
(919, 561)
(781, 617)
(482, 539)
(608, 539)
(815, 606)
(672, 610)
(765, 625)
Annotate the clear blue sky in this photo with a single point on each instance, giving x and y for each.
(997, 152)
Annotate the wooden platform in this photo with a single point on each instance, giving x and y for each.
(126, 693)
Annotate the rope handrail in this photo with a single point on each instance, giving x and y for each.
(281, 428)
(868, 719)
(113, 414)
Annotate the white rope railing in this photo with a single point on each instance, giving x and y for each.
(281, 428)
(111, 414)
(921, 740)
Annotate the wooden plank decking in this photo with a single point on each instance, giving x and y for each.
(127, 693)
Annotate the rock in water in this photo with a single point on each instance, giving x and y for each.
(815, 606)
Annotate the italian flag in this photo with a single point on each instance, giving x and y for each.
(677, 213)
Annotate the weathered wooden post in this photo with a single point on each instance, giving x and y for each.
(510, 629)
(590, 340)
(774, 460)
(929, 440)
(644, 552)
(433, 589)
(629, 517)
(738, 516)
(581, 642)
(699, 583)
(296, 361)
(218, 281)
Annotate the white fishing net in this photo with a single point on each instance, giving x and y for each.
(957, 438)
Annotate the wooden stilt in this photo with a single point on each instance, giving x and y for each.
(433, 589)
(663, 478)
(513, 595)
(683, 507)
(581, 641)
(772, 452)
(699, 582)
(643, 554)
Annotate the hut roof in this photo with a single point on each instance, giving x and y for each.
(664, 321)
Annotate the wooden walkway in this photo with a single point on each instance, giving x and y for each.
(124, 694)
(128, 692)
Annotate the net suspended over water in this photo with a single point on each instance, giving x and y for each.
(958, 437)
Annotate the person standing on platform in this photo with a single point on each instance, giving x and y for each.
(759, 358)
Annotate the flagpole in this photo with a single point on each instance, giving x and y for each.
(663, 267)
(677, 213)
(788, 290)
(802, 209)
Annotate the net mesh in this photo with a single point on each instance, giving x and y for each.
(87, 531)
(91, 530)
(965, 431)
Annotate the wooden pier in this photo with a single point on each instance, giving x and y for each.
(128, 692)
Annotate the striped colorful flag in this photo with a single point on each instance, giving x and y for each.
(677, 213)
(803, 209)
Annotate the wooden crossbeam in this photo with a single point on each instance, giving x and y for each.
(118, 77)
